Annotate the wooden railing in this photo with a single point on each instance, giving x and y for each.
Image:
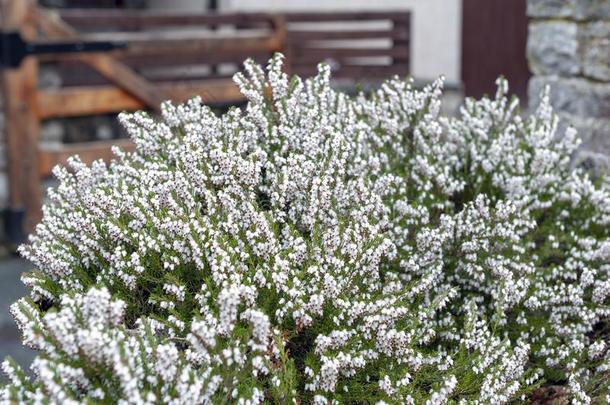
(151, 68)
(358, 45)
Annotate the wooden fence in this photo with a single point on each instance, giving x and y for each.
(150, 69)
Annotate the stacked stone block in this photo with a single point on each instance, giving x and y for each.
(569, 50)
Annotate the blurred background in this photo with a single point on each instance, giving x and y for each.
(69, 66)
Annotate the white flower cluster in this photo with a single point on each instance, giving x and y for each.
(318, 248)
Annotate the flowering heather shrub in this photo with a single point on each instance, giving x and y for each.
(318, 248)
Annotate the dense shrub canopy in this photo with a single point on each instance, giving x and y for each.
(314, 248)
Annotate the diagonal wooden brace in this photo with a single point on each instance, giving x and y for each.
(117, 72)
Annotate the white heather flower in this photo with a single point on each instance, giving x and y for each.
(317, 247)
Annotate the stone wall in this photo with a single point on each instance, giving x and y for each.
(569, 49)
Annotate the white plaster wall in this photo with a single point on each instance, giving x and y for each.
(436, 44)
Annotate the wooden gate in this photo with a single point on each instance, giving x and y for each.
(102, 83)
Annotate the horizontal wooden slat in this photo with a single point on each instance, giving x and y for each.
(194, 74)
(234, 47)
(178, 34)
(211, 91)
(214, 58)
(91, 100)
(79, 101)
(400, 15)
(313, 35)
(314, 55)
(139, 19)
(242, 46)
(50, 156)
(155, 76)
(356, 73)
(307, 49)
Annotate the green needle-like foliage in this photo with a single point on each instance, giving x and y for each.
(319, 248)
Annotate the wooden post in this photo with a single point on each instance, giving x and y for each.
(21, 126)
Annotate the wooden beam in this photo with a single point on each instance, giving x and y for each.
(322, 16)
(136, 19)
(357, 73)
(202, 48)
(92, 100)
(177, 34)
(50, 156)
(85, 100)
(19, 87)
(194, 59)
(318, 53)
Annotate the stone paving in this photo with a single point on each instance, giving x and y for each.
(12, 289)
